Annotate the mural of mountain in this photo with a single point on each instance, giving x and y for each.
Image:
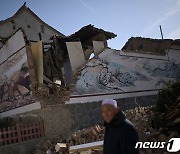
(112, 72)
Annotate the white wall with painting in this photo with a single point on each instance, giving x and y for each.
(15, 84)
(117, 71)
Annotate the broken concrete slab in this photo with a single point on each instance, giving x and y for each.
(98, 47)
(76, 55)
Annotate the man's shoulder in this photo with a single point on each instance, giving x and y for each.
(129, 126)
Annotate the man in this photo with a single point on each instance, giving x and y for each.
(120, 134)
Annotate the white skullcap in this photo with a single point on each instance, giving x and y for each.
(110, 102)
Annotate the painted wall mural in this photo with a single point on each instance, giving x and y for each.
(169, 69)
(15, 87)
(112, 72)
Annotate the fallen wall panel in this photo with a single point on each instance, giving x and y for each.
(15, 85)
(76, 55)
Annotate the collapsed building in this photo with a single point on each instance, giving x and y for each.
(34, 28)
(38, 66)
(75, 50)
(52, 58)
(41, 70)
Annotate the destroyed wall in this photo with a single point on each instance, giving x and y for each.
(147, 45)
(76, 55)
(15, 85)
(118, 71)
(88, 34)
(63, 120)
(30, 23)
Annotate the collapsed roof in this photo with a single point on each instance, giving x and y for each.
(148, 45)
(89, 31)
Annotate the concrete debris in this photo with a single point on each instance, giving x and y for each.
(142, 118)
(93, 134)
(43, 91)
(60, 147)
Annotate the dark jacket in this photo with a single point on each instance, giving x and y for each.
(120, 136)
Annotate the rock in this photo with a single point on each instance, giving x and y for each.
(98, 128)
(43, 91)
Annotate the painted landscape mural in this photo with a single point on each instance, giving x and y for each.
(112, 72)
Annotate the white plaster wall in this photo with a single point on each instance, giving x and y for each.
(76, 54)
(122, 53)
(15, 43)
(8, 54)
(12, 65)
(32, 33)
(98, 47)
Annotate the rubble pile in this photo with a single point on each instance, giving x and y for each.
(142, 117)
(89, 135)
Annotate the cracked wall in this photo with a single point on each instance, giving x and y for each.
(113, 72)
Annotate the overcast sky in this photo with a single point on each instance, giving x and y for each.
(126, 18)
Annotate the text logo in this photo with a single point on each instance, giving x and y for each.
(173, 145)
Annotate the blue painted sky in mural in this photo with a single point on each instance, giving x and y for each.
(125, 18)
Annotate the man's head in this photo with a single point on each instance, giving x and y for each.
(109, 109)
